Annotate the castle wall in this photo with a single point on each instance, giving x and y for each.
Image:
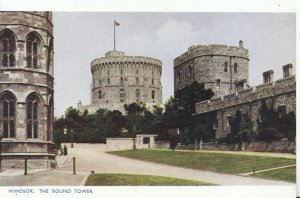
(279, 93)
(206, 64)
(21, 81)
(116, 72)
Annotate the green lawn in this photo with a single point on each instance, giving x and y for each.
(285, 174)
(209, 161)
(138, 180)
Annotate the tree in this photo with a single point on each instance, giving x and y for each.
(268, 124)
(179, 110)
(288, 126)
(246, 131)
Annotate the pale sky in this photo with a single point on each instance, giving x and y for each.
(80, 37)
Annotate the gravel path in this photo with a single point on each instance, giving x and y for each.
(93, 157)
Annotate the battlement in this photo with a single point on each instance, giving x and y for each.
(118, 57)
(251, 94)
(212, 50)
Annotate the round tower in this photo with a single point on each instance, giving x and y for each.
(222, 68)
(119, 79)
(26, 89)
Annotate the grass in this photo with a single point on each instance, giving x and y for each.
(138, 180)
(209, 161)
(285, 174)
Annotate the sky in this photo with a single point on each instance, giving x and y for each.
(80, 37)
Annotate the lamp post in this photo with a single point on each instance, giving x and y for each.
(66, 131)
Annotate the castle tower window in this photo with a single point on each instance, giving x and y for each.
(121, 80)
(225, 67)
(137, 93)
(108, 72)
(32, 49)
(235, 68)
(137, 71)
(178, 76)
(152, 81)
(8, 115)
(122, 95)
(153, 94)
(190, 70)
(32, 104)
(100, 82)
(50, 56)
(7, 48)
(218, 83)
(108, 81)
(99, 94)
(121, 71)
(137, 80)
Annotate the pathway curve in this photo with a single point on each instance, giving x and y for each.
(93, 157)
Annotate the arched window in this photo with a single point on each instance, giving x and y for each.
(152, 81)
(8, 107)
(99, 94)
(121, 71)
(218, 84)
(108, 72)
(108, 81)
(32, 109)
(190, 70)
(50, 56)
(137, 80)
(235, 67)
(32, 50)
(137, 71)
(137, 93)
(225, 67)
(153, 94)
(7, 48)
(121, 80)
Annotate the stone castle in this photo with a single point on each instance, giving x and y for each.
(221, 68)
(119, 79)
(225, 70)
(26, 89)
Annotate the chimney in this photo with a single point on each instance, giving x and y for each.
(287, 70)
(241, 44)
(268, 76)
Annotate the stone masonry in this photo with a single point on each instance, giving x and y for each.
(279, 94)
(221, 68)
(119, 79)
(26, 89)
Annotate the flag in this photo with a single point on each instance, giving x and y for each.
(116, 23)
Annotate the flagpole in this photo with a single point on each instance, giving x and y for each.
(114, 36)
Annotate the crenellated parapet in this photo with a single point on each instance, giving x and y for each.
(252, 94)
(118, 58)
(211, 50)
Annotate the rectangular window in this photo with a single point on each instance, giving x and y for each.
(5, 129)
(29, 130)
(35, 129)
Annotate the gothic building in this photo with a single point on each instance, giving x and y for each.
(26, 89)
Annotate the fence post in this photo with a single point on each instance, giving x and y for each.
(74, 164)
(25, 167)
